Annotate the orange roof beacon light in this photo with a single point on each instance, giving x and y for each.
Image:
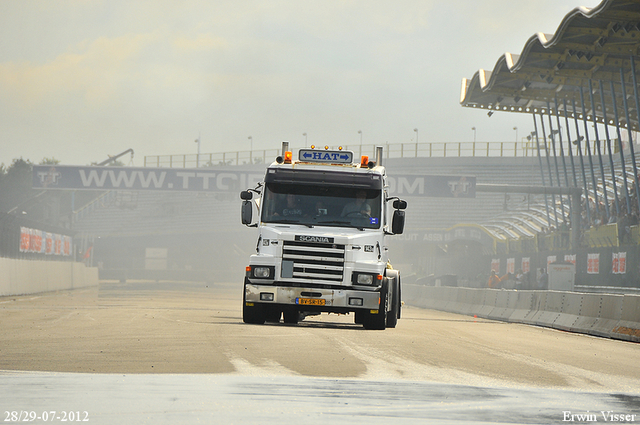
(288, 155)
(364, 161)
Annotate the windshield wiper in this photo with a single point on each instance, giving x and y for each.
(293, 222)
(343, 222)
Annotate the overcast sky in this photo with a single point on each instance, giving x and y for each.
(83, 79)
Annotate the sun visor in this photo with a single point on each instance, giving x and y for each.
(324, 178)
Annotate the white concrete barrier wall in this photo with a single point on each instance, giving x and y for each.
(588, 313)
(613, 316)
(549, 312)
(571, 306)
(609, 315)
(22, 277)
(627, 328)
(522, 309)
(538, 301)
(505, 305)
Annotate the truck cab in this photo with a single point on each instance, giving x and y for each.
(323, 221)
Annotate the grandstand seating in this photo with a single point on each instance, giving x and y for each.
(175, 212)
(441, 213)
(504, 224)
(161, 213)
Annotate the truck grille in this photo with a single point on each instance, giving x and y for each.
(312, 261)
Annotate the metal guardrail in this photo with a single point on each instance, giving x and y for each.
(98, 202)
(607, 289)
(392, 150)
(211, 159)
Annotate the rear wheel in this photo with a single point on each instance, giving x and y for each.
(399, 297)
(394, 314)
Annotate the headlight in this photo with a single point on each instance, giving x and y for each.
(261, 272)
(365, 279)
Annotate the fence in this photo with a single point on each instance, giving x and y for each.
(211, 159)
(393, 150)
(99, 202)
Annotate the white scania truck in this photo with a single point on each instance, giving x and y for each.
(323, 222)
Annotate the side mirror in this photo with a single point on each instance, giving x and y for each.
(247, 212)
(246, 195)
(397, 224)
(399, 204)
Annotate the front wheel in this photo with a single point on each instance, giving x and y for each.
(291, 317)
(378, 321)
(272, 315)
(252, 312)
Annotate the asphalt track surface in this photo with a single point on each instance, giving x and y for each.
(174, 352)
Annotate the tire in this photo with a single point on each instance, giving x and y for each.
(396, 303)
(291, 317)
(378, 321)
(392, 315)
(272, 315)
(399, 297)
(254, 313)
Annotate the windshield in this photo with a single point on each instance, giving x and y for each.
(321, 206)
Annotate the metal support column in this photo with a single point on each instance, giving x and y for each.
(553, 144)
(546, 200)
(564, 162)
(620, 147)
(573, 165)
(546, 151)
(597, 142)
(584, 174)
(588, 149)
(611, 164)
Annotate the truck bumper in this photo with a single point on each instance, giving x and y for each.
(312, 298)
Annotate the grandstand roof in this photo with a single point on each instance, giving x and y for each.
(589, 48)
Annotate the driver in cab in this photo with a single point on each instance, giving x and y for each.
(359, 207)
(292, 207)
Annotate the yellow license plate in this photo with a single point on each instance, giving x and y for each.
(310, 301)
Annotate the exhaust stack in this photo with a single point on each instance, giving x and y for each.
(379, 155)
